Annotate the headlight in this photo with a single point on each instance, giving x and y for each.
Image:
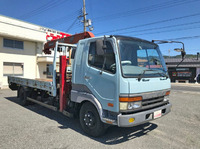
(134, 105)
(166, 98)
(130, 105)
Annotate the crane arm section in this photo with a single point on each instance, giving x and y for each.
(70, 40)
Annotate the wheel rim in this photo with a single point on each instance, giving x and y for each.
(89, 119)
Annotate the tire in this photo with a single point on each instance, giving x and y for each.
(23, 97)
(90, 120)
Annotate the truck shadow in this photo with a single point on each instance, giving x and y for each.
(114, 134)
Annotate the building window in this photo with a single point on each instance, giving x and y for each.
(15, 44)
(13, 69)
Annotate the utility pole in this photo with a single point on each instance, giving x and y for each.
(86, 23)
(84, 16)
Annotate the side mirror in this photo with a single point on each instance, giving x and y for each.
(104, 43)
(178, 49)
(100, 47)
(182, 52)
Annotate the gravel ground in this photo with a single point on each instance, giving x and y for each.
(35, 127)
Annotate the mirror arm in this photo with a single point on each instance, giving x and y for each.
(104, 49)
(180, 62)
(104, 40)
(104, 62)
(183, 53)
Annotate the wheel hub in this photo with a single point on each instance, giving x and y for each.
(89, 119)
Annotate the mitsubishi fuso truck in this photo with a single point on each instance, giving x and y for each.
(104, 81)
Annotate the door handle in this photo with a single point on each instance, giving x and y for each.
(87, 77)
(163, 78)
(145, 80)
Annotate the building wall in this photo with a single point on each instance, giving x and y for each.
(42, 68)
(19, 29)
(27, 56)
(34, 37)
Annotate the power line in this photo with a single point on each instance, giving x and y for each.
(64, 19)
(180, 29)
(38, 9)
(147, 9)
(158, 28)
(65, 22)
(58, 20)
(72, 25)
(152, 23)
(43, 8)
(77, 25)
(138, 10)
(184, 38)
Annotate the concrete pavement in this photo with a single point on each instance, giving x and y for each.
(35, 127)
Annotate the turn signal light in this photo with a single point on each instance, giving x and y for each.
(130, 99)
(167, 93)
(110, 105)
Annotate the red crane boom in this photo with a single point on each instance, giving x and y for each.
(70, 40)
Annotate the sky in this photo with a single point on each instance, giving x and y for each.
(177, 20)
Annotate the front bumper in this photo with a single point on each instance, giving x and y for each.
(141, 117)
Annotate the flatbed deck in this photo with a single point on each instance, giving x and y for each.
(43, 84)
(45, 80)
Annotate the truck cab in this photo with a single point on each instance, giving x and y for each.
(124, 78)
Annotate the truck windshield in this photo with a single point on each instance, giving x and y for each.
(138, 57)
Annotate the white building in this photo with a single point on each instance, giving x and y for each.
(21, 46)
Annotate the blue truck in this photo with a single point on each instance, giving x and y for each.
(104, 81)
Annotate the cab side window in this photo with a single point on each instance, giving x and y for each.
(97, 61)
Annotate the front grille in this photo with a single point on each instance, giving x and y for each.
(152, 101)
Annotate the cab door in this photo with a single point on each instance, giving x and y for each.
(101, 76)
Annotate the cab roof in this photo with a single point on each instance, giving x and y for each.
(120, 37)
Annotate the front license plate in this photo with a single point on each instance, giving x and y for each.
(157, 114)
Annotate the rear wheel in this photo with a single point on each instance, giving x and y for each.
(90, 120)
(23, 97)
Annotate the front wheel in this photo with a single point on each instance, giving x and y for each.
(90, 120)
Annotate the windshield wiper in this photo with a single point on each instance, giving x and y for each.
(161, 74)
